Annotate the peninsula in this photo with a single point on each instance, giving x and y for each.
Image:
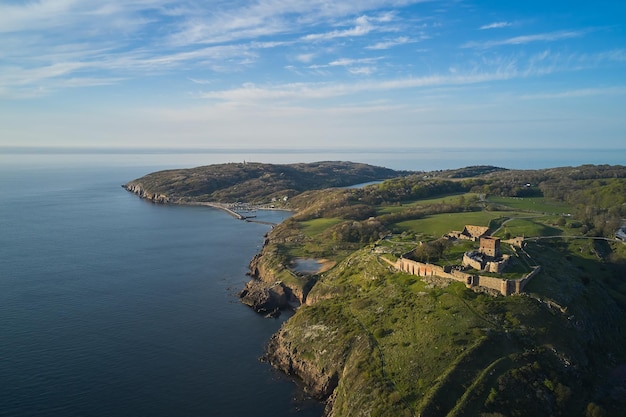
(480, 291)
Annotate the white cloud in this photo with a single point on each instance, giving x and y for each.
(361, 28)
(496, 25)
(122, 38)
(362, 70)
(401, 40)
(251, 93)
(199, 81)
(521, 40)
(305, 58)
(493, 70)
(345, 62)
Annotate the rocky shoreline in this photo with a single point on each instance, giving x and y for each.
(318, 383)
(268, 296)
(264, 293)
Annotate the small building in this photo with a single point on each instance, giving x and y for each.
(475, 232)
(470, 232)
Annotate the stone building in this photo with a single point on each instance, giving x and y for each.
(469, 232)
(488, 258)
(490, 246)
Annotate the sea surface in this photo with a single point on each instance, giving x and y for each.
(112, 306)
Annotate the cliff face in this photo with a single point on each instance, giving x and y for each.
(283, 354)
(274, 286)
(138, 189)
(337, 362)
(266, 293)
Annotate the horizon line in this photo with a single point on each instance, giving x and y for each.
(183, 150)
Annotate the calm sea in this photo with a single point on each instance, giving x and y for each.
(112, 306)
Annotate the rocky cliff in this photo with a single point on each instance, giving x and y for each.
(138, 189)
(266, 298)
(283, 354)
(272, 286)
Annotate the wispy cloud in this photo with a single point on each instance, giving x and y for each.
(499, 69)
(305, 58)
(387, 44)
(346, 62)
(361, 28)
(520, 40)
(582, 92)
(496, 25)
(122, 38)
(362, 70)
(198, 81)
(251, 93)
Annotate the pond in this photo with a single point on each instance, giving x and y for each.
(307, 265)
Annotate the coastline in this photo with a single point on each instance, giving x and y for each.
(219, 206)
(229, 208)
(264, 293)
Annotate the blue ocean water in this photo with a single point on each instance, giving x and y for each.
(112, 306)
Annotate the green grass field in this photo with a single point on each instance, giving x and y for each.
(529, 228)
(445, 199)
(534, 204)
(439, 224)
(314, 227)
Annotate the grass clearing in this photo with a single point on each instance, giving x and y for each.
(529, 227)
(439, 224)
(449, 198)
(315, 227)
(534, 204)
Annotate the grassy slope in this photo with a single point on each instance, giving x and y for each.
(256, 182)
(427, 348)
(404, 347)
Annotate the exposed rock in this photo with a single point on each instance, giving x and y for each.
(265, 275)
(265, 299)
(136, 188)
(283, 355)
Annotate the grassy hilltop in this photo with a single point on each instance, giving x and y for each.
(373, 341)
(253, 182)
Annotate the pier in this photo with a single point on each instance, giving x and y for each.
(227, 208)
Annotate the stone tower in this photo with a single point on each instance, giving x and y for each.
(490, 246)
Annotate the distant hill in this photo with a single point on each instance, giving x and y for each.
(468, 172)
(252, 182)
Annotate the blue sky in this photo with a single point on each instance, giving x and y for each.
(313, 73)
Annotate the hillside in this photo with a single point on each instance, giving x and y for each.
(371, 340)
(252, 182)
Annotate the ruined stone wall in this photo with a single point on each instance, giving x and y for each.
(498, 267)
(420, 269)
(493, 283)
(521, 283)
(503, 286)
(471, 262)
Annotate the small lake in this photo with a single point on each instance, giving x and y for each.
(307, 265)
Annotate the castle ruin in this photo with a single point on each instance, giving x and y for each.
(488, 258)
